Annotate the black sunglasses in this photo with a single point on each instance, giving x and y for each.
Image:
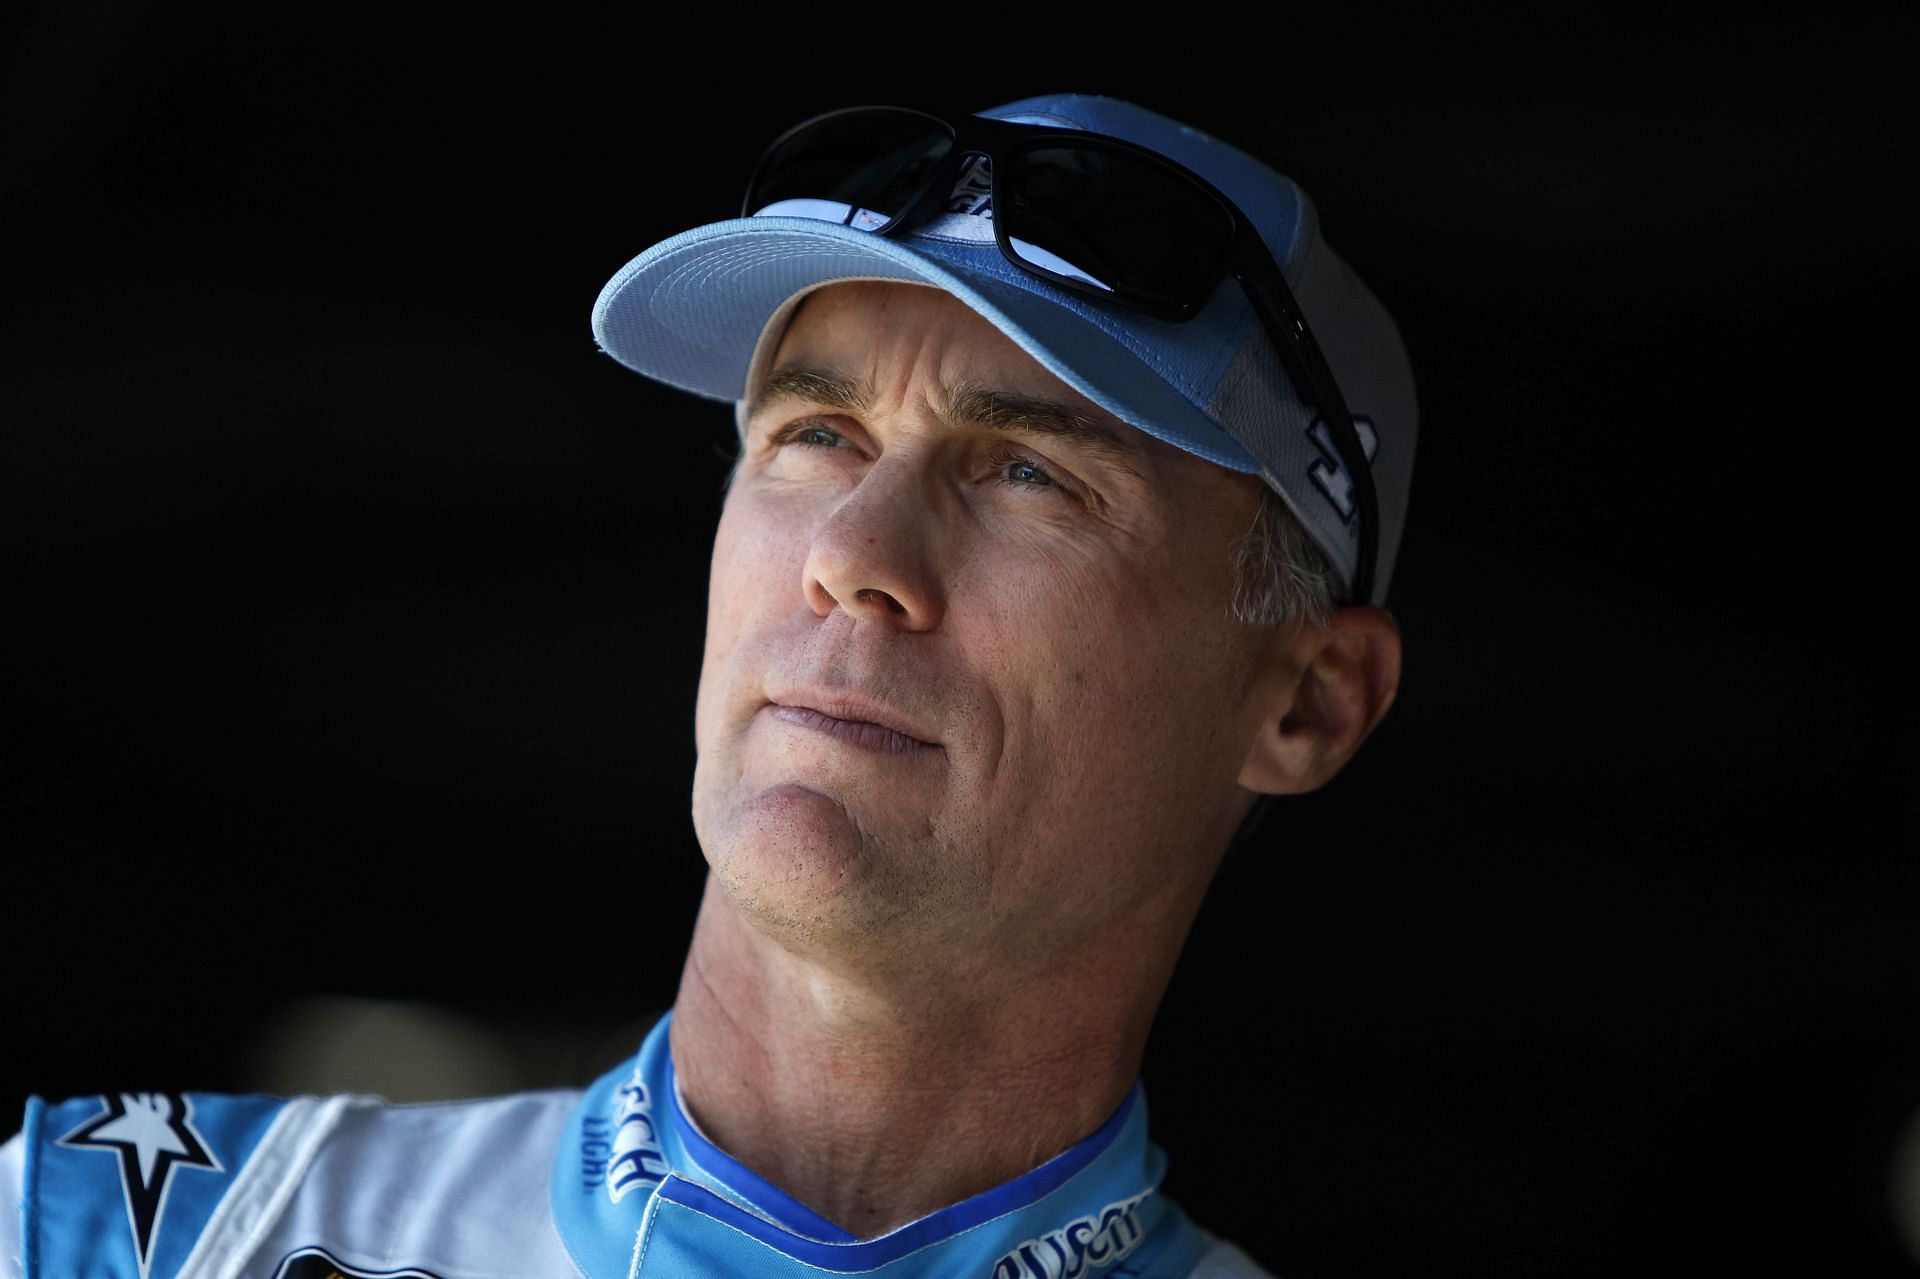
(1091, 214)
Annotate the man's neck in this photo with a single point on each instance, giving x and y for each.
(877, 1101)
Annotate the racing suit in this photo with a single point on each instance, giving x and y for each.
(613, 1181)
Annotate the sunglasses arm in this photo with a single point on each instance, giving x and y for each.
(1313, 380)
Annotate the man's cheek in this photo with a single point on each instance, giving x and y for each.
(749, 570)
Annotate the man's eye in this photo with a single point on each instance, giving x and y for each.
(810, 434)
(1020, 471)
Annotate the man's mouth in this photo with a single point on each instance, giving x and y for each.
(848, 728)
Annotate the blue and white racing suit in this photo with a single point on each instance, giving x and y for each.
(610, 1182)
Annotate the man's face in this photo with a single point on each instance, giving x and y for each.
(971, 691)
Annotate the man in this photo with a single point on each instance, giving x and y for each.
(1057, 534)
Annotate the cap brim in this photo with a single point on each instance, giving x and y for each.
(690, 310)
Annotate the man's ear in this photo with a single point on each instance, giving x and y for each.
(1324, 690)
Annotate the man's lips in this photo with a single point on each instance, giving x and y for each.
(851, 720)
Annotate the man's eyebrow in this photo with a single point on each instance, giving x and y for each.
(968, 404)
(813, 386)
(998, 410)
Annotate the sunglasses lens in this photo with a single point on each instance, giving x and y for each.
(858, 167)
(1108, 217)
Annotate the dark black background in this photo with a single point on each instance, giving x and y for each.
(356, 600)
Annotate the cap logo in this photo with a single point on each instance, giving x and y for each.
(973, 193)
(968, 217)
(1329, 473)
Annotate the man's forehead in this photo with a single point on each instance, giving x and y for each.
(870, 327)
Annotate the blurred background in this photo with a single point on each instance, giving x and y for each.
(357, 600)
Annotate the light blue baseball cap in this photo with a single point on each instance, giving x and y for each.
(704, 310)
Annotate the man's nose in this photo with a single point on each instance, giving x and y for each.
(872, 555)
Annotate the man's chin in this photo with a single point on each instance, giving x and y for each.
(800, 870)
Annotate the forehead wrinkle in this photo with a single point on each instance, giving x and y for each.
(974, 404)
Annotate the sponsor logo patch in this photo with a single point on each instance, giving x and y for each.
(1082, 1245)
(151, 1133)
(633, 1156)
(315, 1263)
